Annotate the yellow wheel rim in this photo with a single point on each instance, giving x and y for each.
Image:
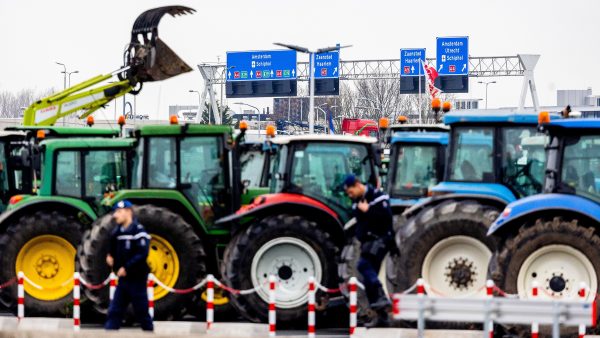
(49, 261)
(219, 297)
(163, 263)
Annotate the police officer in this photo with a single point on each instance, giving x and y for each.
(374, 230)
(127, 255)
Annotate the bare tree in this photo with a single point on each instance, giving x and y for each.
(13, 104)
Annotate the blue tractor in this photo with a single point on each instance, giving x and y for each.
(552, 238)
(494, 158)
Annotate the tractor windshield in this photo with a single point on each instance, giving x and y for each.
(90, 174)
(318, 169)
(523, 160)
(471, 158)
(415, 170)
(581, 166)
(252, 162)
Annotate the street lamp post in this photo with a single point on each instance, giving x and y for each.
(311, 76)
(199, 104)
(486, 83)
(257, 110)
(64, 74)
(73, 72)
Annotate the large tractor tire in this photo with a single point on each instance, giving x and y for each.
(289, 247)
(559, 254)
(176, 258)
(43, 246)
(447, 246)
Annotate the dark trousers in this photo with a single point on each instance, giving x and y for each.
(134, 292)
(369, 264)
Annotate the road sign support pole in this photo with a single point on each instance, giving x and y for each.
(528, 63)
(311, 109)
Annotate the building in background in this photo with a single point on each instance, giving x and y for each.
(460, 104)
(577, 97)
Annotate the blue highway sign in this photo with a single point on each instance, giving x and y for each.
(327, 65)
(261, 65)
(453, 55)
(410, 61)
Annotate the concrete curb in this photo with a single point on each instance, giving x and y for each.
(361, 332)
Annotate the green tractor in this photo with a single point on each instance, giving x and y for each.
(181, 178)
(19, 155)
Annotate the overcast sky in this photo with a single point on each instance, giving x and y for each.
(89, 36)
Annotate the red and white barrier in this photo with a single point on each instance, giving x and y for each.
(535, 327)
(20, 296)
(582, 292)
(76, 302)
(352, 286)
(489, 292)
(311, 307)
(272, 314)
(112, 286)
(150, 290)
(210, 298)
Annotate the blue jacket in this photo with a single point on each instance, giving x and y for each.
(129, 249)
(377, 222)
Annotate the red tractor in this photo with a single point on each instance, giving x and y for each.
(296, 231)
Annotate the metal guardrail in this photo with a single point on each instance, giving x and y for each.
(499, 310)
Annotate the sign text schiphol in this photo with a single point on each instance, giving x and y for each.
(261, 65)
(327, 65)
(411, 61)
(453, 55)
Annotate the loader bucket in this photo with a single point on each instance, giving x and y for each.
(148, 56)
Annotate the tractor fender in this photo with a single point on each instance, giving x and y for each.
(544, 206)
(433, 201)
(494, 190)
(284, 203)
(34, 203)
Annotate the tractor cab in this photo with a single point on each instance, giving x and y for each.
(417, 163)
(315, 166)
(498, 154)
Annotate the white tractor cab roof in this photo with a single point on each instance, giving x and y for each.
(324, 138)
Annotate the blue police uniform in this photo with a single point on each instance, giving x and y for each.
(129, 249)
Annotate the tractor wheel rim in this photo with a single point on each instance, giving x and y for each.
(559, 270)
(164, 264)
(456, 267)
(292, 261)
(48, 261)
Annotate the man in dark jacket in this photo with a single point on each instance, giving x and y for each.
(127, 255)
(374, 230)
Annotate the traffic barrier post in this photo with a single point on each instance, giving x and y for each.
(76, 302)
(489, 324)
(112, 286)
(421, 318)
(210, 298)
(150, 290)
(311, 307)
(20, 296)
(272, 313)
(535, 327)
(582, 294)
(353, 305)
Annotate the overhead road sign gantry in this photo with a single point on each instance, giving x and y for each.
(261, 73)
(411, 70)
(452, 63)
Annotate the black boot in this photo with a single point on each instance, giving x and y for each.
(382, 302)
(381, 319)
